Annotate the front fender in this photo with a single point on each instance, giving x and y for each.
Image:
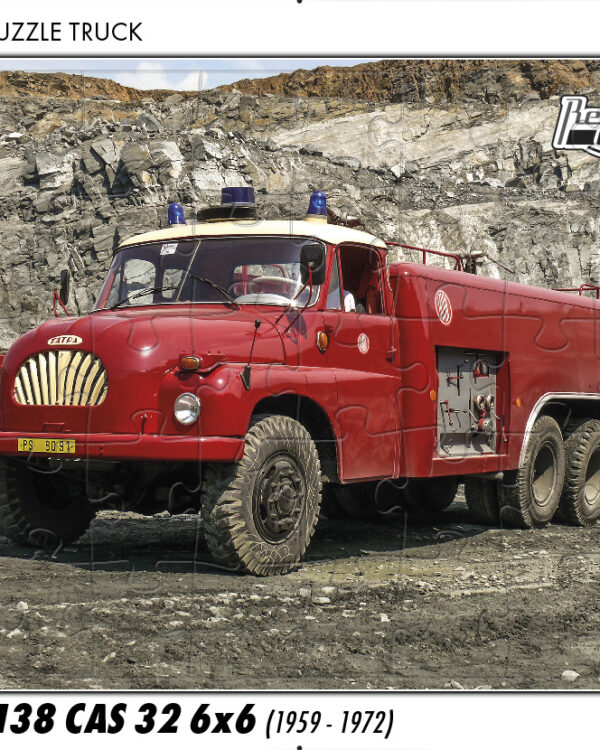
(227, 406)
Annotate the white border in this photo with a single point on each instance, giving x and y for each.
(322, 28)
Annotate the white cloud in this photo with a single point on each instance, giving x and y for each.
(194, 81)
(158, 75)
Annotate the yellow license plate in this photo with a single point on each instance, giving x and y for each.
(45, 445)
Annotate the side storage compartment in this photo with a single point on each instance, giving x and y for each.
(468, 409)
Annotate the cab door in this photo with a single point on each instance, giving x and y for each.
(362, 356)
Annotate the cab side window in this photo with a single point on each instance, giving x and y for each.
(334, 294)
(361, 277)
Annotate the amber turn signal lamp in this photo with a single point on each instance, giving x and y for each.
(322, 341)
(432, 395)
(189, 362)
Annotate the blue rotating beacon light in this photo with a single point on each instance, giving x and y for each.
(317, 208)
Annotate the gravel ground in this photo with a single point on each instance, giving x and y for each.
(396, 603)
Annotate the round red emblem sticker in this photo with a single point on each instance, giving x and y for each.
(363, 343)
(443, 307)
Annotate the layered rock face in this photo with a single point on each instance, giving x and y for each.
(480, 177)
(434, 81)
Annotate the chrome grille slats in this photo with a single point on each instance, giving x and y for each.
(19, 394)
(24, 377)
(70, 378)
(64, 357)
(81, 380)
(91, 378)
(35, 381)
(62, 377)
(43, 372)
(99, 389)
(52, 391)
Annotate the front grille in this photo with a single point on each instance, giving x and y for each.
(61, 378)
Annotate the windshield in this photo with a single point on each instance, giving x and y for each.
(228, 270)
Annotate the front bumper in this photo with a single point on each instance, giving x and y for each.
(135, 447)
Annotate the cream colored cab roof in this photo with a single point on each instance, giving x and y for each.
(320, 230)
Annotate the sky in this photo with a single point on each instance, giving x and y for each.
(177, 74)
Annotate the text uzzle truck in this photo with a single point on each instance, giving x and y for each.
(258, 372)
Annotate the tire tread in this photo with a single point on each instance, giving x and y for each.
(227, 535)
(482, 500)
(514, 491)
(569, 509)
(17, 524)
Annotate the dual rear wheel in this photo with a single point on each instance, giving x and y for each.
(580, 501)
(558, 478)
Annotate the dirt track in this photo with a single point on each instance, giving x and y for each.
(387, 604)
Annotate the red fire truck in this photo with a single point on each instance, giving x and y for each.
(260, 371)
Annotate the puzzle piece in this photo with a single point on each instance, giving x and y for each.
(403, 598)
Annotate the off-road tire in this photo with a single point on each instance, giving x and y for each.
(483, 501)
(389, 497)
(31, 517)
(330, 505)
(529, 496)
(231, 527)
(580, 499)
(429, 496)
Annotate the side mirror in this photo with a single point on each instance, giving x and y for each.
(312, 258)
(65, 286)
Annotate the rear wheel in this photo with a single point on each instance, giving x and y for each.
(260, 514)
(357, 500)
(430, 496)
(580, 500)
(41, 507)
(367, 500)
(530, 495)
(482, 496)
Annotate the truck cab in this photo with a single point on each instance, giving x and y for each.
(225, 357)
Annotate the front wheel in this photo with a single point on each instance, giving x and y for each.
(41, 507)
(259, 515)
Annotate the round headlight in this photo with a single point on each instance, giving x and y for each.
(187, 408)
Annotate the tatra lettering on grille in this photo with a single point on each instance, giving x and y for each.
(61, 378)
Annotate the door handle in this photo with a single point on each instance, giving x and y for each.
(391, 355)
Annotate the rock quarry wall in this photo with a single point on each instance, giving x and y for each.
(433, 81)
(77, 176)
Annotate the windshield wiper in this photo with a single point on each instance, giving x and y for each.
(141, 293)
(218, 287)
